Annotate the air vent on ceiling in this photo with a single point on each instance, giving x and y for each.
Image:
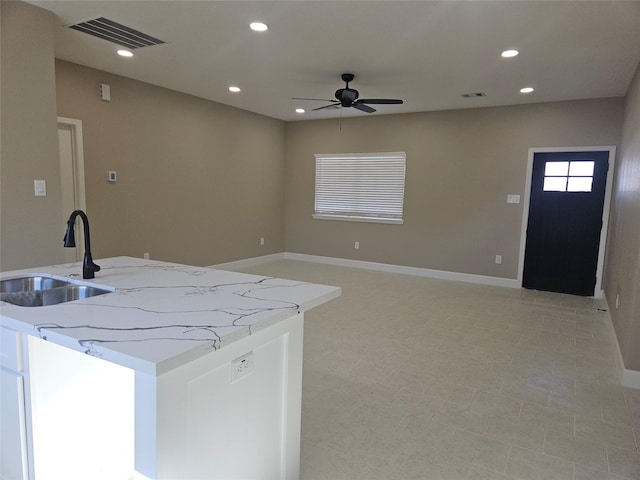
(116, 33)
(474, 94)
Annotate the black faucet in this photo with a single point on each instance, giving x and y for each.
(88, 267)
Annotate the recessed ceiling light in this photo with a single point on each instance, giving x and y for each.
(510, 53)
(526, 90)
(258, 27)
(299, 110)
(234, 89)
(124, 53)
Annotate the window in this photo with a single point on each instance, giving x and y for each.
(361, 187)
(568, 176)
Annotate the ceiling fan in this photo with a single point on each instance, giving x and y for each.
(349, 97)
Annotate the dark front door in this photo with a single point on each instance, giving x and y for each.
(565, 220)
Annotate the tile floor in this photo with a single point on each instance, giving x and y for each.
(414, 378)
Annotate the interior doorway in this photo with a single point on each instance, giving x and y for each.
(565, 219)
(72, 180)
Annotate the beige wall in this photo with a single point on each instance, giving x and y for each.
(31, 230)
(623, 261)
(460, 167)
(198, 182)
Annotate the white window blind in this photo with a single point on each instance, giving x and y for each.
(366, 187)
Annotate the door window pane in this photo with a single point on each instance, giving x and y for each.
(555, 184)
(581, 169)
(556, 169)
(580, 184)
(568, 176)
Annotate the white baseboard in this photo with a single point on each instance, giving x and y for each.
(419, 272)
(249, 262)
(628, 378)
(631, 378)
(382, 267)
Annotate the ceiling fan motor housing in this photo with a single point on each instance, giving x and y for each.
(347, 96)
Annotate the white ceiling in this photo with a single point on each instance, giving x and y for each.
(425, 52)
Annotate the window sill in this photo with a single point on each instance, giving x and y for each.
(349, 218)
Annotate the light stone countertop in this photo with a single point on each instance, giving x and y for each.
(161, 315)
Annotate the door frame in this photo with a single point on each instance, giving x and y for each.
(598, 292)
(77, 154)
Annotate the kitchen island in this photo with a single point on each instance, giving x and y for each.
(178, 373)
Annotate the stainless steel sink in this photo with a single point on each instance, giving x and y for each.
(39, 291)
(30, 284)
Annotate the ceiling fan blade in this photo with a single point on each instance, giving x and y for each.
(381, 101)
(316, 99)
(331, 105)
(363, 108)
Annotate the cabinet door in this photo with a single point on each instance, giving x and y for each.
(12, 426)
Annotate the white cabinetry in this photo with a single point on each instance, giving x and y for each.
(93, 419)
(82, 415)
(212, 426)
(13, 438)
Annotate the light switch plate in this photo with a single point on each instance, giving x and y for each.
(40, 188)
(513, 198)
(105, 92)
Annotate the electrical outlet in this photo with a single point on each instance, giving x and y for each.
(146, 255)
(261, 240)
(498, 259)
(241, 366)
(356, 245)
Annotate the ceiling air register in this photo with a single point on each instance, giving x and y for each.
(116, 33)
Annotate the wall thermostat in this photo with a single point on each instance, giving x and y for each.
(111, 176)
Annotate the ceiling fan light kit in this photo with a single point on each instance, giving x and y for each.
(349, 97)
